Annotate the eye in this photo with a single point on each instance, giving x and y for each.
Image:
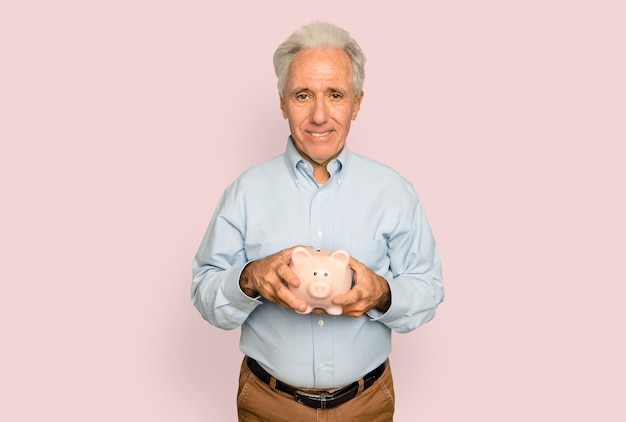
(302, 96)
(336, 96)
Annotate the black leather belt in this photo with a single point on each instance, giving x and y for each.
(323, 399)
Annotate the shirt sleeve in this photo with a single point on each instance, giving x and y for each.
(415, 278)
(216, 269)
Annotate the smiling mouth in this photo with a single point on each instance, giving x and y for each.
(320, 134)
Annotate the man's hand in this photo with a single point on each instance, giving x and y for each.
(370, 291)
(267, 277)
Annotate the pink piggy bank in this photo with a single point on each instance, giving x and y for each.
(323, 274)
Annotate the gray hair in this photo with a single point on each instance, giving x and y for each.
(319, 34)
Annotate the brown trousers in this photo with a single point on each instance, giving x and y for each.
(258, 402)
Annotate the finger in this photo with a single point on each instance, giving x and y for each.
(339, 300)
(347, 299)
(289, 300)
(280, 293)
(286, 273)
(355, 264)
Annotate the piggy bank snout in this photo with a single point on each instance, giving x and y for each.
(320, 285)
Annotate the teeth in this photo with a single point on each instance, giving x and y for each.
(319, 135)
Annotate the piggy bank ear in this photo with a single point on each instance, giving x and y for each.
(340, 256)
(299, 254)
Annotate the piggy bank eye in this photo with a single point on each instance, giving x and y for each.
(325, 274)
(315, 273)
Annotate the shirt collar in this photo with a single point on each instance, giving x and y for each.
(336, 167)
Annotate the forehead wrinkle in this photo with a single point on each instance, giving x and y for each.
(321, 85)
(329, 89)
(325, 72)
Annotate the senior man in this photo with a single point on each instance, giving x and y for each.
(310, 367)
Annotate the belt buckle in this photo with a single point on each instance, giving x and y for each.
(320, 400)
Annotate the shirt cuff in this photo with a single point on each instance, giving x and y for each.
(235, 296)
(396, 307)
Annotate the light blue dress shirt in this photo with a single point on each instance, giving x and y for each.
(365, 208)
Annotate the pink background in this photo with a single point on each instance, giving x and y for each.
(122, 121)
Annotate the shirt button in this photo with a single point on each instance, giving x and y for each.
(322, 367)
(319, 195)
(320, 322)
(319, 233)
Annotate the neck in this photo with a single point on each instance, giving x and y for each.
(320, 174)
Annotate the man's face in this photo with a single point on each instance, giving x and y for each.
(319, 102)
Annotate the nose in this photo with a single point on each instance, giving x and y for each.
(319, 112)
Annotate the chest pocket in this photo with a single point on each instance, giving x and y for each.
(372, 253)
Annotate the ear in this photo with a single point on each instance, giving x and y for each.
(299, 254)
(283, 107)
(357, 105)
(340, 256)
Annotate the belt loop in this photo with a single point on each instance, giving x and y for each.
(361, 386)
(273, 383)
